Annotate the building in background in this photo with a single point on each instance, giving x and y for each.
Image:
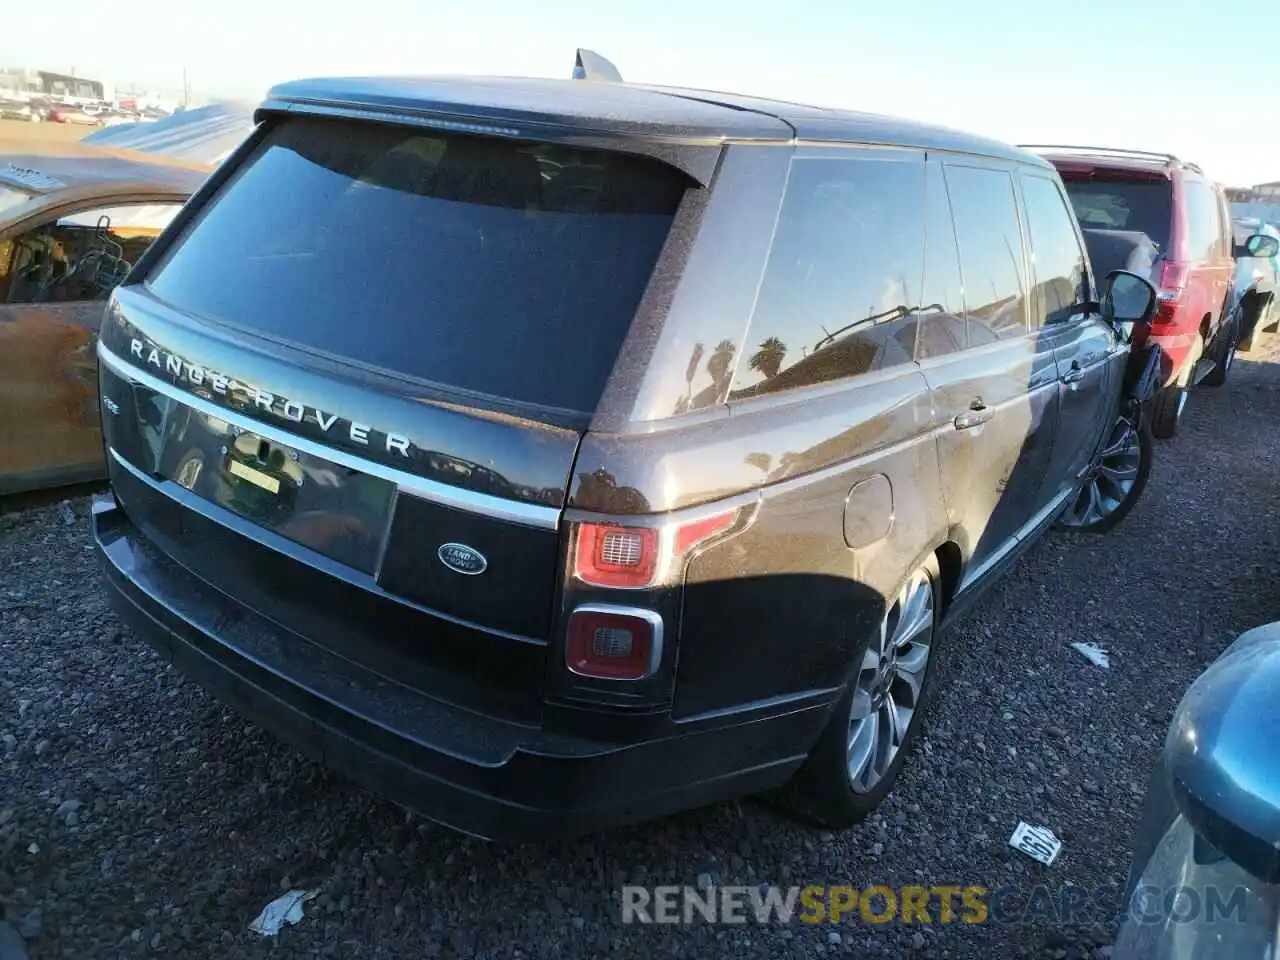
(1261, 191)
(1261, 200)
(64, 87)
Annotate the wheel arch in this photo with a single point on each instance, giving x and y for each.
(950, 565)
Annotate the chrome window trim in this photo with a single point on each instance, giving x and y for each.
(527, 514)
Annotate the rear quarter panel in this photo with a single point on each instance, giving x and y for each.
(782, 608)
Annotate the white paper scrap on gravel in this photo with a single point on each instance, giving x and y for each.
(1039, 843)
(1094, 654)
(282, 910)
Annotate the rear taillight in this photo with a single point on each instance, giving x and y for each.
(1173, 280)
(611, 555)
(614, 556)
(613, 643)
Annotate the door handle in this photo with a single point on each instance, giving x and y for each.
(1074, 375)
(977, 414)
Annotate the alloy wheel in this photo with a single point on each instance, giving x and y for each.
(1110, 480)
(887, 690)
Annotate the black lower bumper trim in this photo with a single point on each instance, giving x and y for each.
(486, 777)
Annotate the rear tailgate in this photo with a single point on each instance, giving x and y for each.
(369, 360)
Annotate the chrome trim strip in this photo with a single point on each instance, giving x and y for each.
(528, 514)
(266, 537)
(650, 617)
(1040, 516)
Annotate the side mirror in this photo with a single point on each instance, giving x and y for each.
(1127, 300)
(1261, 246)
(1222, 755)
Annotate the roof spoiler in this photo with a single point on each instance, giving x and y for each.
(589, 65)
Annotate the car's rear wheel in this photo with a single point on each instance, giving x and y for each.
(1224, 354)
(858, 757)
(1114, 483)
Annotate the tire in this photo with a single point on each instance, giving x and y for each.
(1166, 410)
(1114, 483)
(1225, 354)
(1167, 407)
(824, 790)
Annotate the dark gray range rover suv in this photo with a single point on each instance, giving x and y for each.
(550, 455)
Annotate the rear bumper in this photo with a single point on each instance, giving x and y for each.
(484, 776)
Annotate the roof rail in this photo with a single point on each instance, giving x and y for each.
(589, 65)
(1167, 158)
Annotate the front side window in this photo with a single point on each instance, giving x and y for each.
(81, 256)
(990, 239)
(842, 285)
(1058, 264)
(496, 267)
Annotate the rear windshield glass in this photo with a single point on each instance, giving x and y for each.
(1137, 206)
(496, 266)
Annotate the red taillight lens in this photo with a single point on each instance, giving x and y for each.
(695, 532)
(613, 643)
(1173, 278)
(608, 555)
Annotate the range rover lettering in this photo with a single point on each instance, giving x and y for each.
(550, 455)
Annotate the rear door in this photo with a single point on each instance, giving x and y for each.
(998, 396)
(1088, 355)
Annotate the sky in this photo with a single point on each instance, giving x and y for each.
(1165, 75)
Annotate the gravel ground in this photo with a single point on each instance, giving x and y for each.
(140, 817)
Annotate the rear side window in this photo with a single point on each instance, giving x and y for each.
(990, 239)
(1144, 206)
(1060, 284)
(941, 328)
(493, 266)
(842, 285)
(1204, 226)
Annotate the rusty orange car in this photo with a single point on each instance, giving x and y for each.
(73, 220)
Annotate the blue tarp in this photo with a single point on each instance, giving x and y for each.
(202, 134)
(1266, 212)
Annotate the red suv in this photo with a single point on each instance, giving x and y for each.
(1163, 218)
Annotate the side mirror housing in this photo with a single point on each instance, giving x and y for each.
(1222, 755)
(1127, 300)
(1262, 246)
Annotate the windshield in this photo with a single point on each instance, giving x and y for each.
(1139, 206)
(500, 267)
(11, 199)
